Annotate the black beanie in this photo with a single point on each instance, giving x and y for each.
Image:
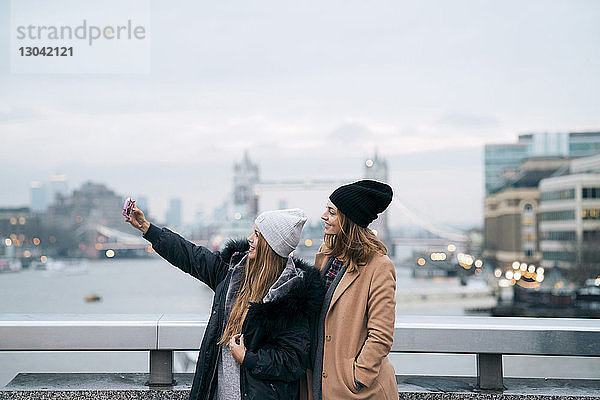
(361, 201)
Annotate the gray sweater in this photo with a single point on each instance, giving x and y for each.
(228, 370)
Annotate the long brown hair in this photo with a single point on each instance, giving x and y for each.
(353, 244)
(259, 275)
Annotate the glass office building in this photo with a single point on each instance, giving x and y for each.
(502, 159)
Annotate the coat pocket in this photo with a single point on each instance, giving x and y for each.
(348, 375)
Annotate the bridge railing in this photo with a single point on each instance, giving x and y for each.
(162, 334)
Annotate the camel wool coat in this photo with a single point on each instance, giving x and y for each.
(359, 330)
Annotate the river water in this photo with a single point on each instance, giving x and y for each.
(152, 286)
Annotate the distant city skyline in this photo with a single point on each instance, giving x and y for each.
(310, 89)
(151, 186)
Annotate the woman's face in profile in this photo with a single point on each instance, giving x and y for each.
(331, 219)
(253, 240)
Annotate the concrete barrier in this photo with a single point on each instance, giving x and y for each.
(161, 335)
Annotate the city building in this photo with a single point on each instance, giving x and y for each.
(502, 160)
(41, 194)
(58, 186)
(142, 203)
(38, 197)
(173, 217)
(511, 228)
(78, 218)
(569, 216)
(21, 231)
(583, 144)
(92, 203)
(546, 144)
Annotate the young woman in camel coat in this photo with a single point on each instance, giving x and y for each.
(354, 333)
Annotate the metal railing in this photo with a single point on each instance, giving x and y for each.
(162, 334)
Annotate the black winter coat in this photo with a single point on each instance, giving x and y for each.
(276, 333)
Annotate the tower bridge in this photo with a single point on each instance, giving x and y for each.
(245, 200)
(248, 188)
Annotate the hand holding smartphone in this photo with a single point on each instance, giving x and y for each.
(128, 207)
(137, 218)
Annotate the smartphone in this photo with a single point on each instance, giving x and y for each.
(128, 207)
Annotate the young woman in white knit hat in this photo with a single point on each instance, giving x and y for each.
(256, 344)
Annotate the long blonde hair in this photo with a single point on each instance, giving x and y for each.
(353, 244)
(259, 275)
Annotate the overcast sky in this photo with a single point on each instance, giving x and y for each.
(310, 89)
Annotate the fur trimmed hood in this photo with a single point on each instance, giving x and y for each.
(297, 293)
(234, 250)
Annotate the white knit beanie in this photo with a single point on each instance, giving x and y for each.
(281, 229)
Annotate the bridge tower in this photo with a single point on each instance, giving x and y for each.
(245, 195)
(376, 168)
